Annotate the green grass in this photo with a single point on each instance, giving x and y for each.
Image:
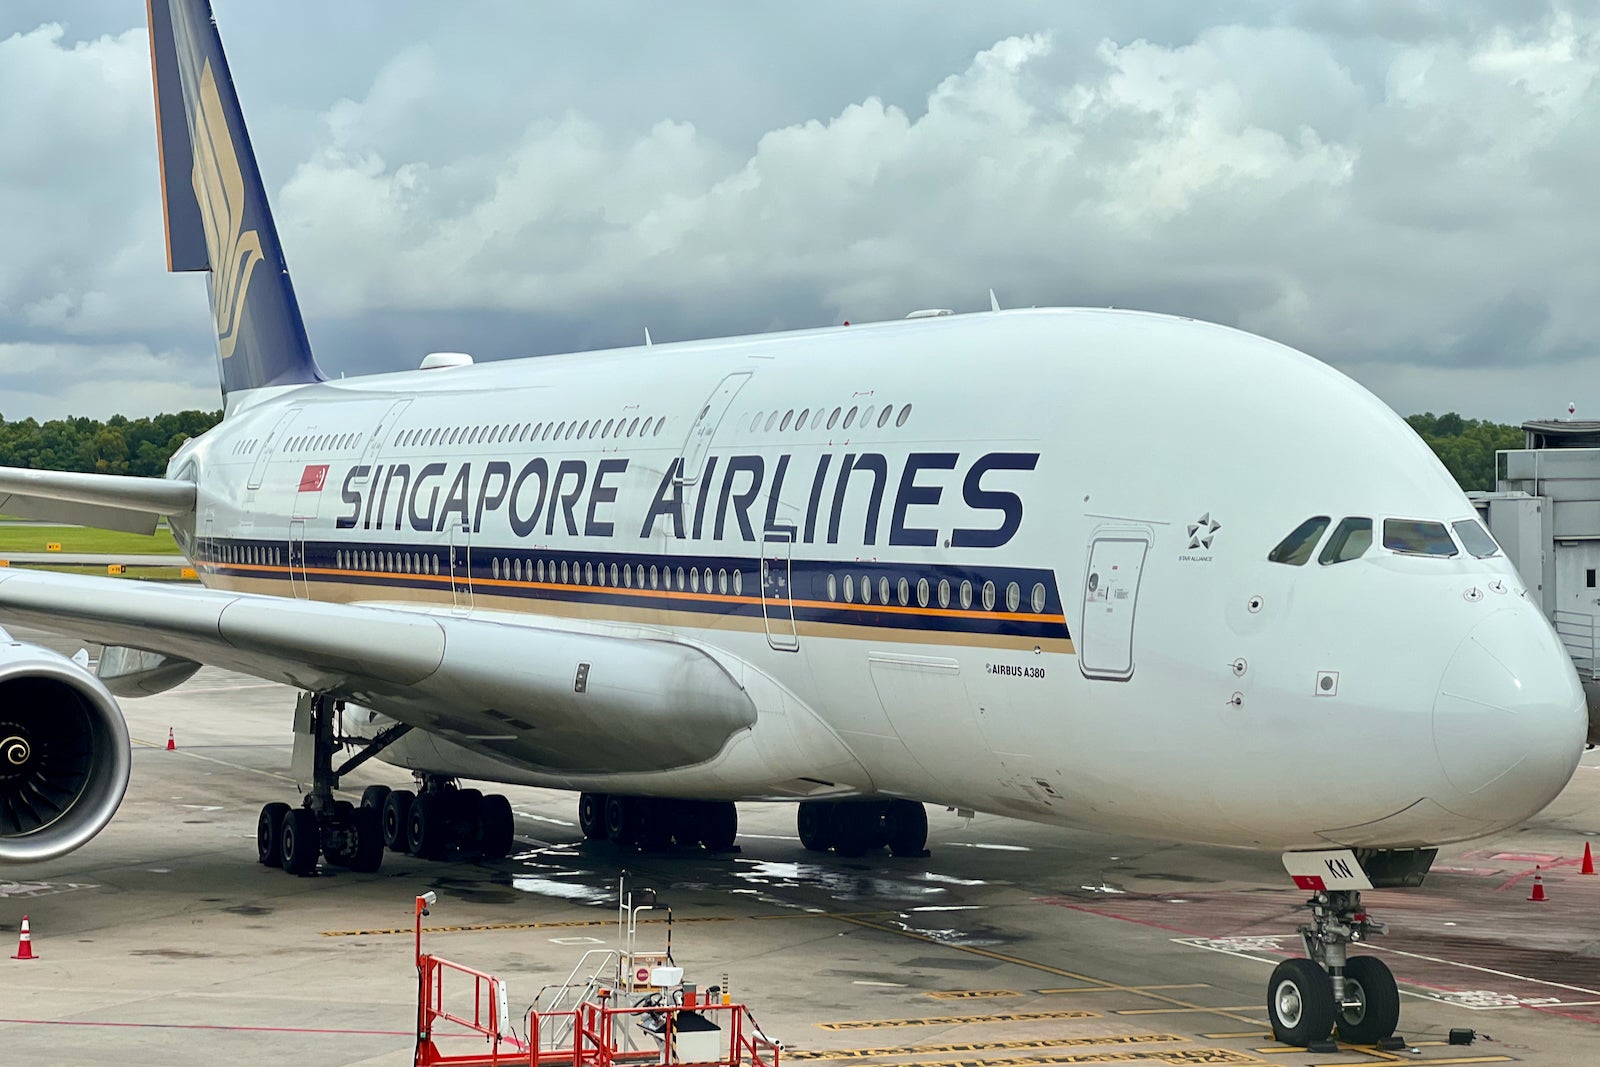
(147, 574)
(84, 539)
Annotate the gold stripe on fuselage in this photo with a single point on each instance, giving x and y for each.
(437, 590)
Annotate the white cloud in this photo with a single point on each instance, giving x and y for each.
(1405, 194)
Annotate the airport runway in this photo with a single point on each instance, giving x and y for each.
(164, 942)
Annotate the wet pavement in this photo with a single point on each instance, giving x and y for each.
(164, 942)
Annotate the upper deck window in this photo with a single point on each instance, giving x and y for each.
(1418, 537)
(1350, 540)
(1475, 539)
(1301, 542)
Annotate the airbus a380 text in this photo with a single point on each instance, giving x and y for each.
(1086, 567)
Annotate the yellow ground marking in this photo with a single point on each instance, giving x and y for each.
(979, 1046)
(1176, 1057)
(958, 1020)
(1236, 1033)
(972, 994)
(1059, 972)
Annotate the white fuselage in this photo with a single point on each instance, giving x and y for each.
(1028, 576)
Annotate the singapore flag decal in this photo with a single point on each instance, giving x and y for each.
(309, 497)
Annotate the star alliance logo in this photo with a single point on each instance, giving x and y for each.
(1201, 532)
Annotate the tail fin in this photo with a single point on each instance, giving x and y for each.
(216, 207)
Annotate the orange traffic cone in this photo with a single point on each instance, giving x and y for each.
(172, 746)
(1538, 886)
(1588, 860)
(24, 943)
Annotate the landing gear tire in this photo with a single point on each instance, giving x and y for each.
(374, 796)
(906, 823)
(592, 815)
(269, 834)
(655, 820)
(1371, 1008)
(815, 823)
(719, 825)
(497, 827)
(1300, 1002)
(397, 820)
(428, 828)
(301, 841)
(622, 820)
(856, 828)
(367, 856)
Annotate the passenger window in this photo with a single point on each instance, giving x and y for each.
(1296, 549)
(1416, 537)
(1350, 540)
(1475, 539)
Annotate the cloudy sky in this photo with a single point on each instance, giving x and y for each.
(1407, 189)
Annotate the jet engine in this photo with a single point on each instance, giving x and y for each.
(64, 754)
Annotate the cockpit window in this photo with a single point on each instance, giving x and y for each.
(1415, 537)
(1350, 540)
(1475, 539)
(1301, 542)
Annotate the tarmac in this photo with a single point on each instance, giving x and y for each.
(163, 941)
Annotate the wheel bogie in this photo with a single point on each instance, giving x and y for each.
(496, 827)
(592, 815)
(856, 827)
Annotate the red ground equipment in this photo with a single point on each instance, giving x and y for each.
(596, 1033)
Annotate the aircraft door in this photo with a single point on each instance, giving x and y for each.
(705, 426)
(461, 568)
(1110, 600)
(777, 598)
(274, 438)
(379, 434)
(297, 559)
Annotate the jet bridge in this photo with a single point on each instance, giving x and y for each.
(1545, 513)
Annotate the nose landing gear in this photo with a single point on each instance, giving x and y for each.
(1309, 998)
(1331, 990)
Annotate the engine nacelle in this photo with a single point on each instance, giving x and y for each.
(64, 754)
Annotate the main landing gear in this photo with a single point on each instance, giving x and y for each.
(853, 827)
(1331, 990)
(658, 823)
(443, 819)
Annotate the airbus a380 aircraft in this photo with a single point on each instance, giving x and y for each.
(1094, 568)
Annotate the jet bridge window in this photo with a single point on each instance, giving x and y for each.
(1417, 537)
(1475, 539)
(1350, 540)
(1296, 549)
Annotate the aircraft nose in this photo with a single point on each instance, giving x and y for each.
(1510, 718)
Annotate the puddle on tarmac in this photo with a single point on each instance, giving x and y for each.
(950, 879)
(840, 884)
(550, 887)
(987, 845)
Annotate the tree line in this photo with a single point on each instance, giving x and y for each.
(119, 445)
(142, 447)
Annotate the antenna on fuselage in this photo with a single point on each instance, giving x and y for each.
(994, 303)
(647, 341)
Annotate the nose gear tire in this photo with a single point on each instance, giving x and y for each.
(1368, 980)
(1300, 1002)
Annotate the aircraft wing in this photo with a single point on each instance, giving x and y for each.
(104, 501)
(542, 692)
